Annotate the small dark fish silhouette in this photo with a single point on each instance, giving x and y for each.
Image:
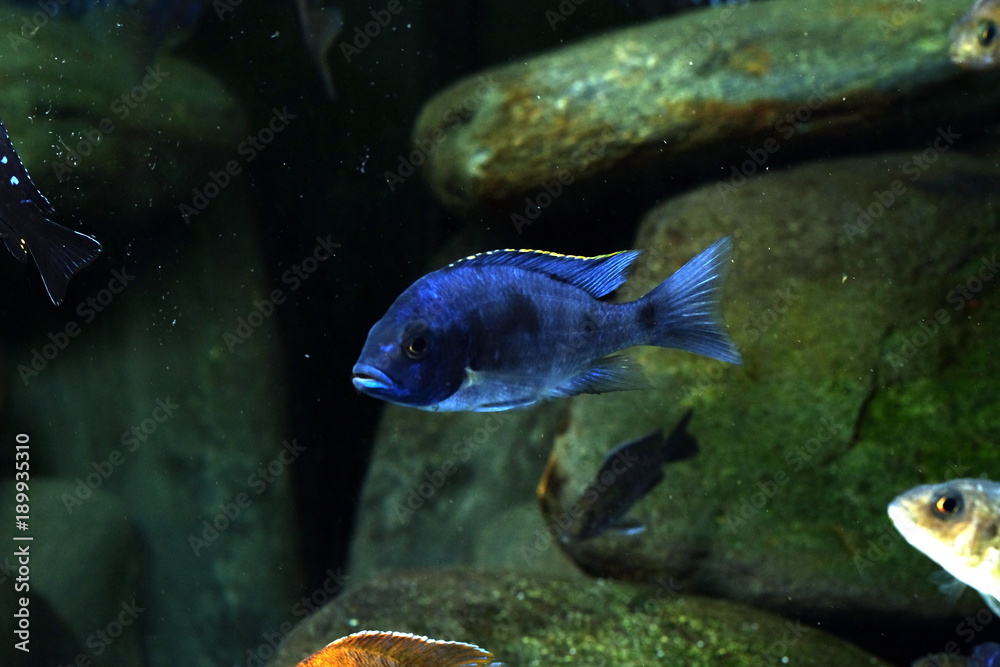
(397, 649)
(26, 224)
(628, 473)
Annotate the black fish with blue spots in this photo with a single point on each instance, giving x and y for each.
(508, 328)
(26, 226)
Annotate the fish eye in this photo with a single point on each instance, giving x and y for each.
(417, 347)
(987, 31)
(948, 505)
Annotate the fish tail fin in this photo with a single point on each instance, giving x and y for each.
(681, 445)
(683, 310)
(59, 253)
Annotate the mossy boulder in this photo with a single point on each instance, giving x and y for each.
(861, 297)
(528, 620)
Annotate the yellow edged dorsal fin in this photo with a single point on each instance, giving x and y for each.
(372, 648)
(598, 275)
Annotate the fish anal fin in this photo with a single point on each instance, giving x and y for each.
(397, 648)
(614, 373)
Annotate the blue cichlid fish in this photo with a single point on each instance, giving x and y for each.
(508, 328)
(26, 225)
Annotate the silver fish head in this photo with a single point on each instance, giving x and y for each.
(975, 38)
(956, 525)
(416, 354)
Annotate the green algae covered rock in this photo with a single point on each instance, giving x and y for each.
(101, 129)
(529, 621)
(865, 323)
(861, 296)
(695, 91)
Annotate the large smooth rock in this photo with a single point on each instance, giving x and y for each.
(529, 620)
(867, 371)
(97, 541)
(163, 398)
(700, 91)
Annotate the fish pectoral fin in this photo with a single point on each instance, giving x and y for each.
(616, 373)
(992, 603)
(627, 527)
(949, 586)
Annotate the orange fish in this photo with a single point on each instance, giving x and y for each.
(372, 648)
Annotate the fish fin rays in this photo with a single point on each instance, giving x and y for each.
(369, 647)
(689, 303)
(614, 373)
(992, 603)
(597, 276)
(627, 528)
(58, 253)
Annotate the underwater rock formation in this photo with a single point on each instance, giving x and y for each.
(99, 131)
(532, 620)
(659, 98)
(864, 314)
(62, 560)
(169, 399)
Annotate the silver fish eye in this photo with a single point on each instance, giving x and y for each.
(948, 505)
(987, 31)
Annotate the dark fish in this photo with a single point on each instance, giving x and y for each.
(975, 38)
(628, 473)
(397, 649)
(26, 225)
(983, 655)
(320, 28)
(507, 328)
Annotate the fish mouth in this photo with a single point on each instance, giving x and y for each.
(370, 380)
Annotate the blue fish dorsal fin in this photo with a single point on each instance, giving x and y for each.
(596, 276)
